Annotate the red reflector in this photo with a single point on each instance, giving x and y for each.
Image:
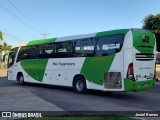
(130, 69)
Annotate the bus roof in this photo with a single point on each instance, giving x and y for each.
(51, 40)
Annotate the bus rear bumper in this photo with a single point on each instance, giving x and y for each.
(130, 85)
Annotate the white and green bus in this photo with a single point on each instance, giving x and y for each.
(117, 60)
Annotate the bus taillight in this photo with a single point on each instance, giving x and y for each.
(130, 72)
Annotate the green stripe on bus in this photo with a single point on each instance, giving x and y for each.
(42, 41)
(35, 68)
(120, 31)
(94, 68)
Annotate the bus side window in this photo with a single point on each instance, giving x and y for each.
(11, 57)
(64, 49)
(84, 47)
(19, 55)
(110, 44)
(23, 53)
(46, 51)
(26, 52)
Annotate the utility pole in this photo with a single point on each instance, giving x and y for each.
(44, 34)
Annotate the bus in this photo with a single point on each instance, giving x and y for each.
(115, 60)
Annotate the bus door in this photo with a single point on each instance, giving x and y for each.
(11, 63)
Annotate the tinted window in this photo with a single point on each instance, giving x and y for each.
(110, 44)
(84, 47)
(27, 52)
(37, 51)
(11, 57)
(98, 46)
(46, 51)
(64, 49)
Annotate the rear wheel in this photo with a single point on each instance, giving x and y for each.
(21, 79)
(79, 85)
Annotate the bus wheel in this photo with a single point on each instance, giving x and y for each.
(21, 79)
(79, 85)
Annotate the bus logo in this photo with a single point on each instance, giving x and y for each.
(6, 114)
(145, 39)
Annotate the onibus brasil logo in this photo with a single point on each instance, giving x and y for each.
(21, 114)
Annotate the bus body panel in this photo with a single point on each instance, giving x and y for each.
(127, 52)
(116, 70)
(127, 60)
(143, 61)
(143, 70)
(143, 55)
(62, 71)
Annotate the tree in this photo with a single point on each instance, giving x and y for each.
(152, 22)
(5, 47)
(1, 36)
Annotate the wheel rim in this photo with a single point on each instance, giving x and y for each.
(21, 79)
(79, 85)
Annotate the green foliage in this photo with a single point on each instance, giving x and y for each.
(152, 22)
(5, 47)
(1, 36)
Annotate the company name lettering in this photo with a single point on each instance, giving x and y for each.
(145, 68)
(63, 64)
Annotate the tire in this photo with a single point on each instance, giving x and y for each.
(20, 79)
(79, 85)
